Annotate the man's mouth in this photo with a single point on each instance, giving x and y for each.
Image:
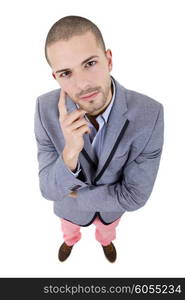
(89, 96)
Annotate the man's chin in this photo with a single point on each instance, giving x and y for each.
(88, 107)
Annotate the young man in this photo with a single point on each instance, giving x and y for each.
(99, 144)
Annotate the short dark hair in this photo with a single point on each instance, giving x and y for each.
(69, 26)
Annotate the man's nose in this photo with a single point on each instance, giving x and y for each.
(81, 81)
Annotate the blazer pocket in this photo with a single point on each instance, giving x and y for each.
(118, 160)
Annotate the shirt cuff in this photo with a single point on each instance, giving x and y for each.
(76, 171)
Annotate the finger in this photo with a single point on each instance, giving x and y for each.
(62, 104)
(83, 129)
(77, 124)
(74, 116)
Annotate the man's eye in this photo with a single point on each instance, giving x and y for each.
(65, 74)
(91, 63)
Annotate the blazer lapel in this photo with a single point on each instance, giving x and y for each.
(88, 151)
(116, 127)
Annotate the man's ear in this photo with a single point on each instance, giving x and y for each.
(108, 54)
(54, 75)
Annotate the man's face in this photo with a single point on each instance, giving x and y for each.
(82, 69)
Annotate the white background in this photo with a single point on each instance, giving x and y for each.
(147, 40)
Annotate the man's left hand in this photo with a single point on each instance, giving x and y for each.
(73, 194)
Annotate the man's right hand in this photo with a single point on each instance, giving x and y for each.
(73, 126)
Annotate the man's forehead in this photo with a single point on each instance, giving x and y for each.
(66, 54)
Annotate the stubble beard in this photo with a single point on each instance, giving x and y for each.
(95, 105)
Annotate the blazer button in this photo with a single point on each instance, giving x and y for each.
(76, 187)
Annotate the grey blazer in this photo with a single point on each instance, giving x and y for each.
(123, 177)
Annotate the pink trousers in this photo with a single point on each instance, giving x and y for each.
(104, 234)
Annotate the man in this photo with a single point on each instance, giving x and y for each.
(99, 144)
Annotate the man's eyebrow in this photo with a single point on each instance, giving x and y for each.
(83, 62)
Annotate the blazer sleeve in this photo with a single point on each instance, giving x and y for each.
(55, 179)
(138, 179)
